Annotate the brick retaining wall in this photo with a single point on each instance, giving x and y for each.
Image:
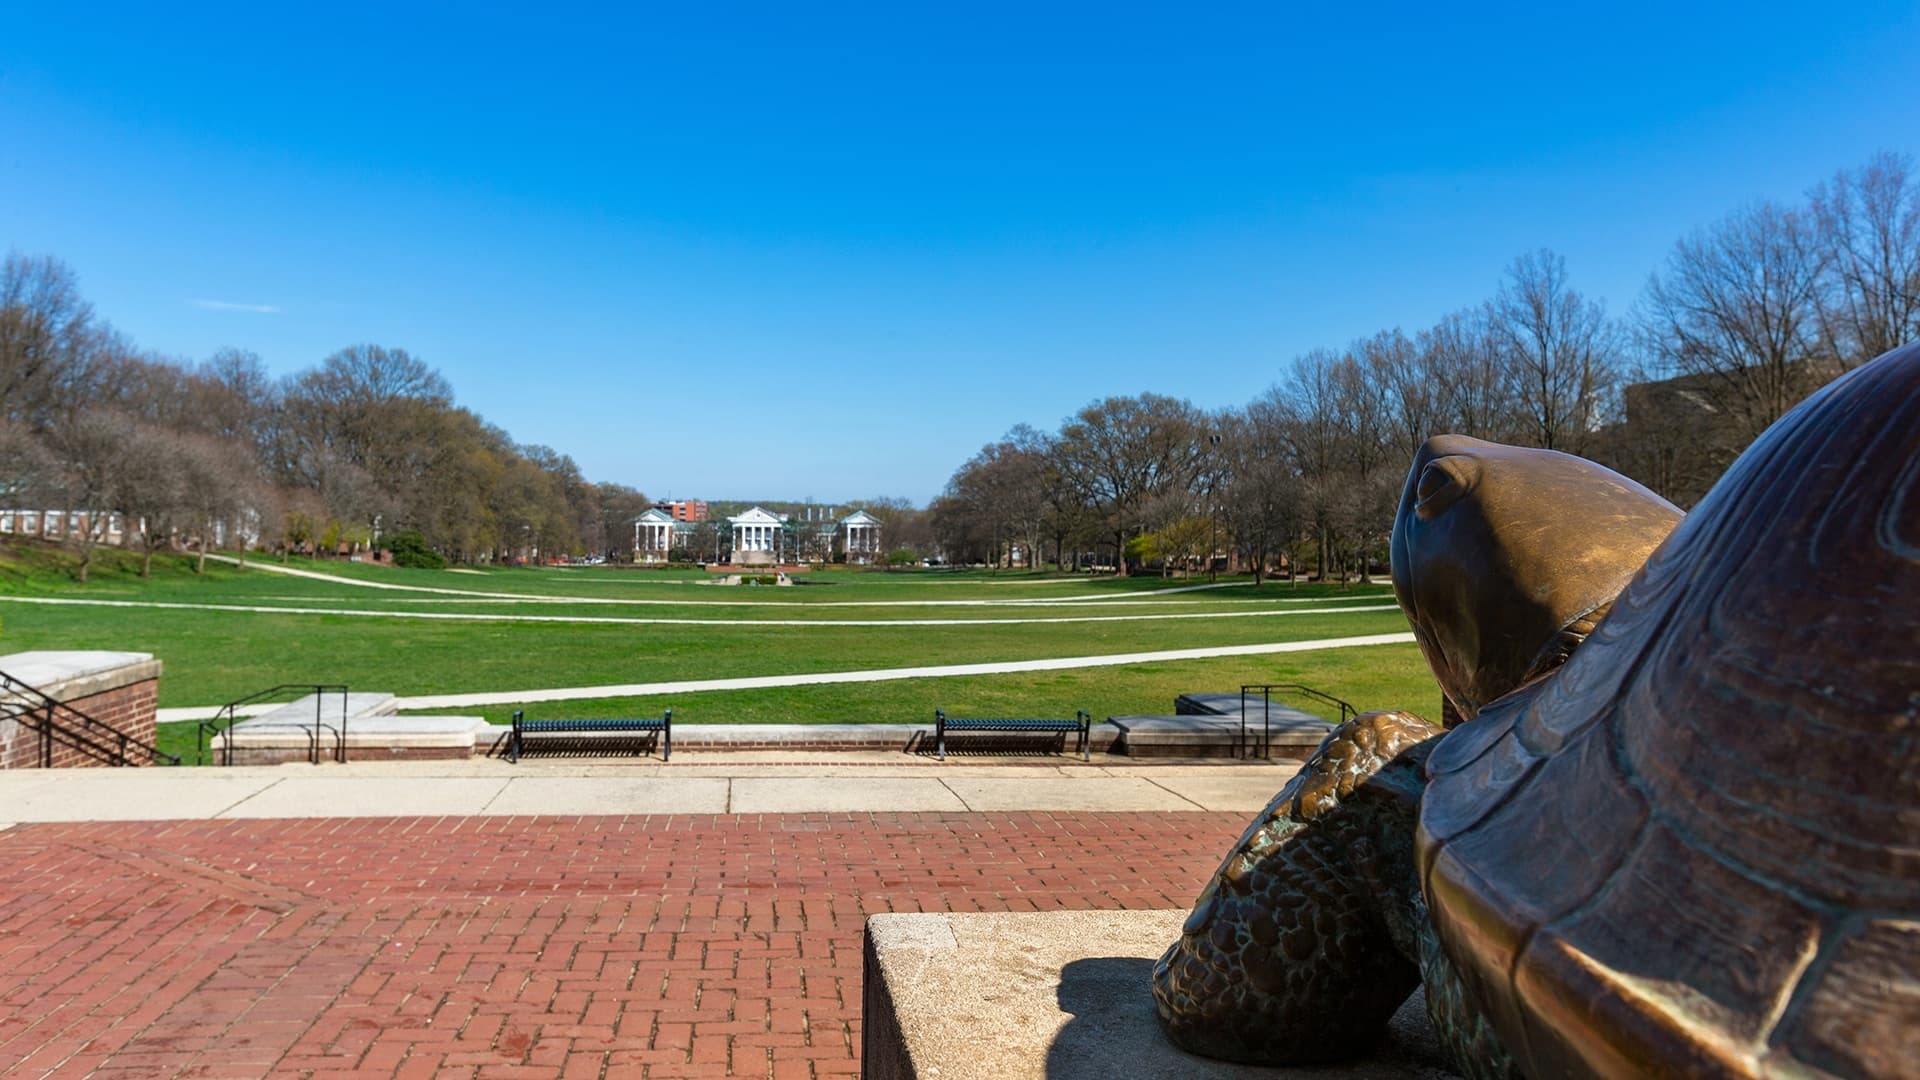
(123, 697)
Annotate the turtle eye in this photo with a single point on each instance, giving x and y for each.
(1442, 483)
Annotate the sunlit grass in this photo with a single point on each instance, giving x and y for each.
(213, 656)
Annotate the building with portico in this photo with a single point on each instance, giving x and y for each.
(760, 537)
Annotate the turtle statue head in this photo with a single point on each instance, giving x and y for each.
(1504, 557)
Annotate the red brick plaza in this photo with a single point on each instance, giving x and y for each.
(690, 945)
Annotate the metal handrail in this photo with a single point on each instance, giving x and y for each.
(1266, 692)
(229, 714)
(45, 705)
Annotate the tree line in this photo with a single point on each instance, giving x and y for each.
(365, 447)
(1746, 316)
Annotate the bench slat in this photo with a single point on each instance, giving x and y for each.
(639, 725)
(1081, 725)
(592, 725)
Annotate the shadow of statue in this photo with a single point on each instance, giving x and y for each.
(1106, 996)
(1114, 1033)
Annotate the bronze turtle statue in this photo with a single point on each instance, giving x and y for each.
(1687, 844)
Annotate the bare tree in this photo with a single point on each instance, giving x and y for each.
(46, 332)
(217, 491)
(30, 474)
(1739, 308)
(1260, 492)
(1868, 222)
(93, 447)
(997, 500)
(1415, 391)
(147, 488)
(1463, 360)
(1128, 454)
(1561, 351)
(1370, 471)
(234, 399)
(1314, 437)
(617, 506)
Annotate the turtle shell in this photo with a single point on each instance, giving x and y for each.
(1696, 846)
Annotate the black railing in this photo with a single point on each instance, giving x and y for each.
(57, 721)
(229, 715)
(1266, 692)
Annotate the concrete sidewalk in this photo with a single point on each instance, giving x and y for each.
(781, 782)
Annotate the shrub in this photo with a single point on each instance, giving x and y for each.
(409, 548)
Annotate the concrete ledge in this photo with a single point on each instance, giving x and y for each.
(68, 675)
(369, 738)
(364, 731)
(1212, 735)
(328, 707)
(899, 738)
(1062, 995)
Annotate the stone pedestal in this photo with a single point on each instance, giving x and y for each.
(1062, 995)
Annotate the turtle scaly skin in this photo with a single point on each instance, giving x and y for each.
(1286, 955)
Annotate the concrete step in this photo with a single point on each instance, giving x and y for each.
(327, 708)
(378, 737)
(1060, 995)
(1291, 733)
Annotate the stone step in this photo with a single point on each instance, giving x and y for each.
(1209, 704)
(1291, 733)
(1059, 995)
(331, 707)
(380, 737)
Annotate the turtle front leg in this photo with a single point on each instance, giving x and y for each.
(1289, 956)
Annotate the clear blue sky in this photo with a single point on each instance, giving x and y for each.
(803, 250)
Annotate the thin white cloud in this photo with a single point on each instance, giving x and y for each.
(228, 305)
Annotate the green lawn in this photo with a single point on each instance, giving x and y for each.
(431, 632)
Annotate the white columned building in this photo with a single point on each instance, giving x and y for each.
(862, 537)
(653, 536)
(756, 538)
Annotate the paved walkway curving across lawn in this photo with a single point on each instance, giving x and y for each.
(822, 678)
(542, 598)
(621, 620)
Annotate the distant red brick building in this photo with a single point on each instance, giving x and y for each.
(684, 509)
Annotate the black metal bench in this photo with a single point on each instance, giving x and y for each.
(1081, 726)
(523, 727)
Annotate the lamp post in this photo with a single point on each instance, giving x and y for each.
(1213, 504)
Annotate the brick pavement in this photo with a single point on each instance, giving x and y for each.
(690, 945)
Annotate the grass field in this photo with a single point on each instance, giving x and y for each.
(232, 631)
